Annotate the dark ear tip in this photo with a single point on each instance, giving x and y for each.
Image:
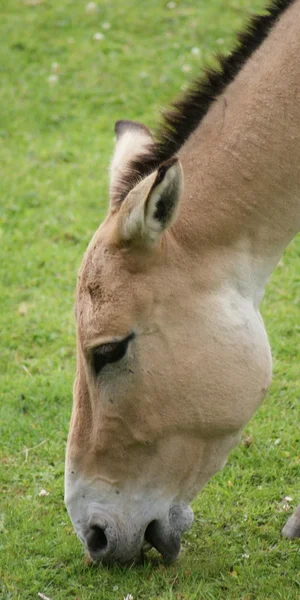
(126, 125)
(120, 126)
(164, 168)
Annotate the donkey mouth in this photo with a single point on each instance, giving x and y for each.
(106, 543)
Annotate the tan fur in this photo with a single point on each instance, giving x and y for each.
(166, 417)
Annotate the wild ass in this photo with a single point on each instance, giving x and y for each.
(172, 354)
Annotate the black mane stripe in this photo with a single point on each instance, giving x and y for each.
(185, 114)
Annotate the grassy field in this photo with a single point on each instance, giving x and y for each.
(67, 73)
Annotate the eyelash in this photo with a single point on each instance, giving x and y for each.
(109, 353)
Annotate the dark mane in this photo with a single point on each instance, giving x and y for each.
(184, 115)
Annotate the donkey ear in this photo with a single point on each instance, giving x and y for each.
(162, 202)
(152, 206)
(132, 139)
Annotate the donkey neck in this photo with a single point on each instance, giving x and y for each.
(241, 165)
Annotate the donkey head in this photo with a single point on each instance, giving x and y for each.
(145, 434)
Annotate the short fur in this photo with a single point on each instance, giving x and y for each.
(185, 114)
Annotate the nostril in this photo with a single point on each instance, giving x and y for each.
(150, 533)
(163, 537)
(96, 539)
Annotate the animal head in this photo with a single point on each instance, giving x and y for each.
(154, 412)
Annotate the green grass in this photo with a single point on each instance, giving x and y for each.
(55, 142)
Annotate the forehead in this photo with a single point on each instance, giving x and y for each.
(109, 265)
(113, 283)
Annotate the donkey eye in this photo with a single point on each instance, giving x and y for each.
(109, 353)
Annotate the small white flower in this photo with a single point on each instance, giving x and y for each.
(43, 493)
(195, 51)
(171, 5)
(106, 26)
(53, 79)
(115, 588)
(186, 68)
(91, 8)
(245, 555)
(287, 499)
(128, 597)
(277, 442)
(98, 36)
(55, 67)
